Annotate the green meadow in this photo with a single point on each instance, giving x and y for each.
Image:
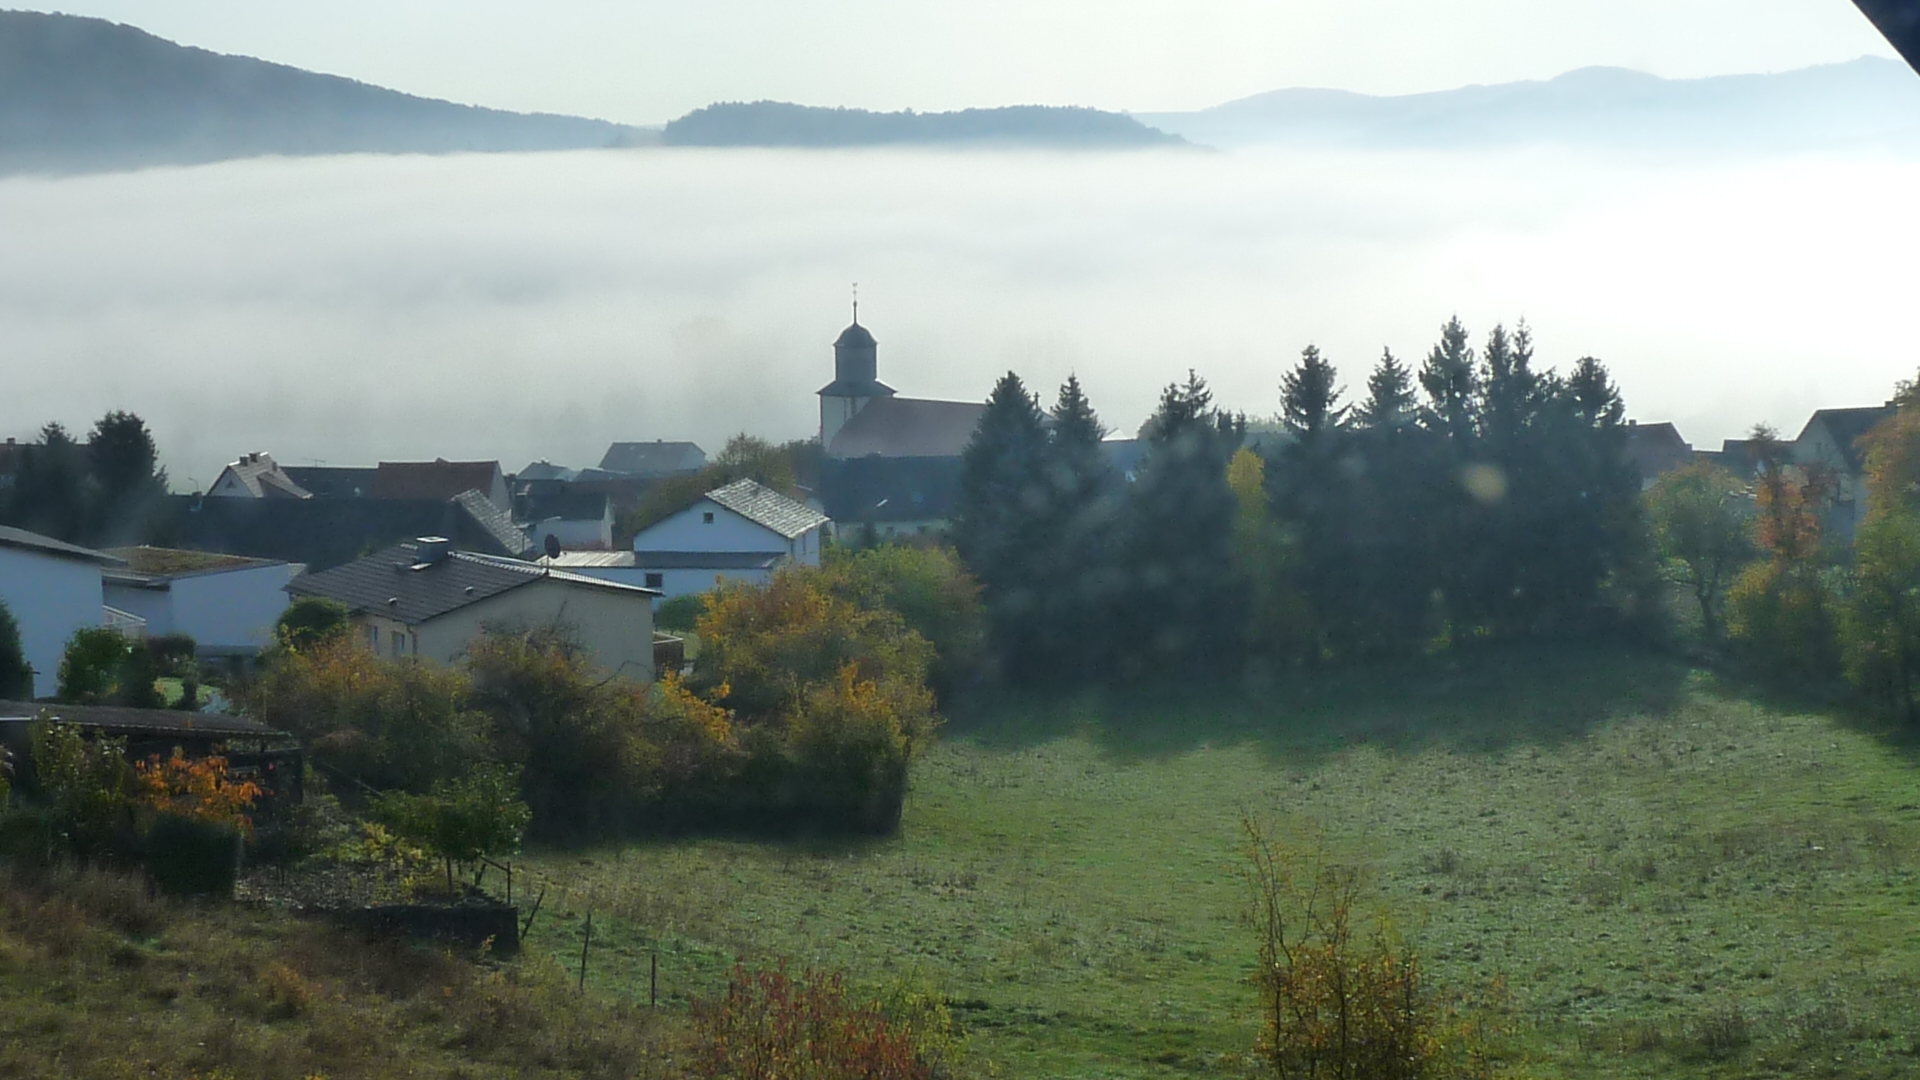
(1672, 877)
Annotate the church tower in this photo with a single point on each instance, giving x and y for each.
(855, 382)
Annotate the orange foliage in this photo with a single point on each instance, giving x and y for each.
(200, 790)
(1893, 462)
(1789, 503)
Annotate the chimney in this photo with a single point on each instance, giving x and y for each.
(429, 550)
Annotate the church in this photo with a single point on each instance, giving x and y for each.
(889, 463)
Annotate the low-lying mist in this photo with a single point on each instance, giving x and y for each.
(531, 306)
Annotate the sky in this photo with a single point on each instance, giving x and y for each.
(648, 61)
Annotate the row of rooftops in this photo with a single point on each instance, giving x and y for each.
(259, 476)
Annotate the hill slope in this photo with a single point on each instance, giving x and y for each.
(777, 123)
(79, 94)
(1863, 99)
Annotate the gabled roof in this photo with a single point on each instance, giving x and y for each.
(491, 521)
(264, 479)
(438, 479)
(546, 470)
(766, 507)
(1656, 449)
(908, 427)
(334, 481)
(397, 584)
(59, 549)
(1847, 426)
(657, 458)
(158, 563)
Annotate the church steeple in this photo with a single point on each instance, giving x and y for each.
(856, 364)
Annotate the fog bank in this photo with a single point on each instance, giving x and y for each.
(352, 309)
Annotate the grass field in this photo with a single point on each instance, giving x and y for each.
(1673, 878)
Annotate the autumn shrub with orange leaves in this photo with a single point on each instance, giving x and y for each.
(770, 1025)
(201, 789)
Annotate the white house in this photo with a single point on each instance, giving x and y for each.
(53, 589)
(256, 476)
(740, 532)
(226, 603)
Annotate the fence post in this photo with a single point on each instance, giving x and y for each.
(653, 981)
(586, 942)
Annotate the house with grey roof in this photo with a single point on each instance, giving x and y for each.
(424, 599)
(440, 479)
(740, 532)
(227, 604)
(256, 476)
(1655, 450)
(1831, 443)
(653, 460)
(52, 588)
(567, 520)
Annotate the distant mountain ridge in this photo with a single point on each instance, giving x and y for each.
(81, 94)
(779, 123)
(1868, 98)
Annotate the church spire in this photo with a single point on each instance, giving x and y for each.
(856, 303)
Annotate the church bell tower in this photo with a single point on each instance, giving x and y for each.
(855, 380)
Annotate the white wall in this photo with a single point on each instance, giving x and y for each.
(153, 605)
(576, 535)
(233, 609)
(682, 582)
(728, 531)
(50, 598)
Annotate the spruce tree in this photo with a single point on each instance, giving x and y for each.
(1389, 404)
(1452, 384)
(1083, 495)
(1182, 601)
(1000, 524)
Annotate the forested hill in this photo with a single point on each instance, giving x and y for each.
(80, 94)
(1864, 100)
(777, 123)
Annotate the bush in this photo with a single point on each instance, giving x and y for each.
(191, 856)
(388, 724)
(91, 666)
(1781, 617)
(479, 815)
(770, 1024)
(310, 621)
(84, 785)
(929, 590)
(196, 790)
(680, 613)
(1337, 1003)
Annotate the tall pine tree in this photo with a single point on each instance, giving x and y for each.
(1000, 526)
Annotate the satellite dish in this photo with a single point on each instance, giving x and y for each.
(553, 546)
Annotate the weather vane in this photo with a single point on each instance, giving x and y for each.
(856, 303)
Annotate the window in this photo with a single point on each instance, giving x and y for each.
(656, 581)
(706, 518)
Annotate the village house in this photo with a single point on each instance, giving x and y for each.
(427, 600)
(1830, 443)
(1655, 450)
(256, 476)
(740, 532)
(654, 460)
(227, 604)
(441, 479)
(567, 520)
(52, 588)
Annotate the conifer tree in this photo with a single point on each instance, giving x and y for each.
(16, 676)
(1082, 500)
(999, 527)
(1182, 597)
(1389, 404)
